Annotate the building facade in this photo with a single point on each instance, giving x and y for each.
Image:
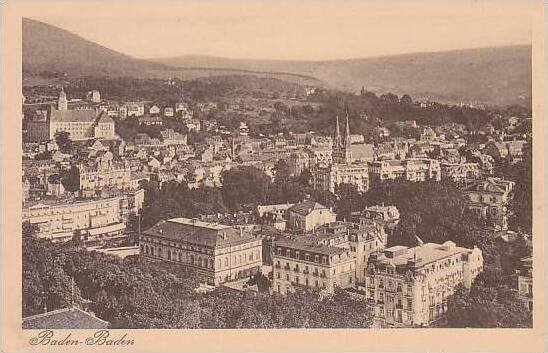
(58, 220)
(409, 287)
(411, 169)
(217, 253)
(309, 215)
(489, 200)
(297, 263)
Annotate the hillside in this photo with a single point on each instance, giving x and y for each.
(51, 49)
(487, 75)
(499, 76)
(48, 48)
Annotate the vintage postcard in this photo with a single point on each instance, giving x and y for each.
(263, 176)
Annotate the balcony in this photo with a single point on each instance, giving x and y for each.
(316, 274)
(306, 272)
(277, 266)
(296, 270)
(286, 267)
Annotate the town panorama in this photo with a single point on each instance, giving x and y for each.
(250, 201)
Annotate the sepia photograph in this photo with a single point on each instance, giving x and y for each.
(272, 165)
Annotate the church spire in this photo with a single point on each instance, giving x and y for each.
(62, 103)
(337, 141)
(347, 141)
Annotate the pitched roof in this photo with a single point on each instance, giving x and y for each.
(364, 152)
(73, 115)
(66, 318)
(304, 208)
(198, 232)
(312, 246)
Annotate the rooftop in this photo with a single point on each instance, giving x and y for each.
(306, 207)
(199, 232)
(422, 254)
(66, 318)
(311, 246)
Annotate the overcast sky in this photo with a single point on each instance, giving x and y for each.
(304, 30)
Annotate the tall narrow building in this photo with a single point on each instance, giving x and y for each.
(342, 153)
(62, 103)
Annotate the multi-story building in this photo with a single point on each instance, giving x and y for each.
(133, 109)
(80, 124)
(459, 172)
(217, 253)
(360, 239)
(309, 215)
(489, 200)
(328, 178)
(409, 169)
(386, 216)
(105, 173)
(410, 286)
(525, 282)
(58, 220)
(300, 263)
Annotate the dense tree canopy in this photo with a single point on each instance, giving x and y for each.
(135, 293)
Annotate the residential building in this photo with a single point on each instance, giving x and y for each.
(328, 178)
(512, 150)
(104, 172)
(136, 109)
(489, 200)
(154, 110)
(409, 287)
(386, 216)
(459, 172)
(217, 253)
(309, 264)
(410, 169)
(309, 215)
(151, 120)
(94, 96)
(360, 239)
(59, 219)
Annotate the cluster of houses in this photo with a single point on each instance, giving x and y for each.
(303, 243)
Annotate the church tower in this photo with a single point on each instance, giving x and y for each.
(62, 103)
(341, 150)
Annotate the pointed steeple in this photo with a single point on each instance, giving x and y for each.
(62, 103)
(347, 133)
(337, 140)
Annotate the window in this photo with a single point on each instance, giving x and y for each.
(287, 277)
(278, 275)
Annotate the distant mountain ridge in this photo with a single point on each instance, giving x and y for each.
(500, 75)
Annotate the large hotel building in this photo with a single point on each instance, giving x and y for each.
(409, 286)
(300, 263)
(216, 252)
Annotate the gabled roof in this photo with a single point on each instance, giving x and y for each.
(304, 208)
(198, 232)
(73, 115)
(66, 318)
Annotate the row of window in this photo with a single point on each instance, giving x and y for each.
(237, 260)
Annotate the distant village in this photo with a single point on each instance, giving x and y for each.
(82, 181)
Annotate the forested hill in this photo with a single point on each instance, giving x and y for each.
(500, 75)
(493, 76)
